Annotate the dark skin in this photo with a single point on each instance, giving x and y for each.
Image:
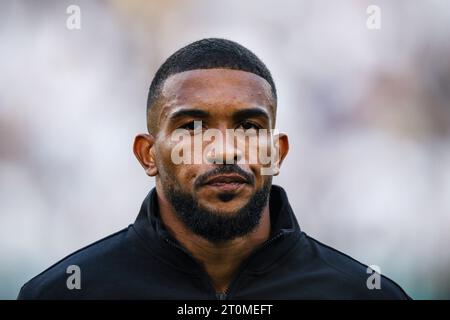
(229, 99)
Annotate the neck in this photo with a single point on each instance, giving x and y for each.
(220, 261)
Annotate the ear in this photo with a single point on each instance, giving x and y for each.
(144, 152)
(281, 144)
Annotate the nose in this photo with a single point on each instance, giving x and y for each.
(224, 151)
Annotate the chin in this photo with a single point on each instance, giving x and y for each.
(224, 207)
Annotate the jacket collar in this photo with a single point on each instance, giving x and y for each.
(285, 234)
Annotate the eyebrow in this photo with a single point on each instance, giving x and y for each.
(188, 112)
(251, 113)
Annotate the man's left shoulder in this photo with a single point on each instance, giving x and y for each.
(347, 277)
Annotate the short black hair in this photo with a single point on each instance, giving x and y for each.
(209, 53)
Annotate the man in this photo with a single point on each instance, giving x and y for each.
(215, 228)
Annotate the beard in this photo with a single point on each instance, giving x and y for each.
(212, 224)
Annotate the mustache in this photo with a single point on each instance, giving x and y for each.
(224, 169)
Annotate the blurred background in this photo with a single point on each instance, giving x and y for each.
(367, 112)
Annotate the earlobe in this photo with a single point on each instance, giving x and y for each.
(143, 150)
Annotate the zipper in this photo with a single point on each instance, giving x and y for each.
(204, 274)
(234, 281)
(221, 296)
(224, 295)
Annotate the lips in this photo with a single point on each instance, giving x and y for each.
(226, 179)
(227, 183)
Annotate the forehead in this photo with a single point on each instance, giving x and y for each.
(215, 90)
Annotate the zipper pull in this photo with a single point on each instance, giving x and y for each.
(221, 296)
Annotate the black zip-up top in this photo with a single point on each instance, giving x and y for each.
(144, 261)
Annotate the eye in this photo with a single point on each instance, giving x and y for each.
(192, 125)
(246, 125)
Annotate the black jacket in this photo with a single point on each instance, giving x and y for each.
(144, 262)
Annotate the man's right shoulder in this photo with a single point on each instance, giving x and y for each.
(89, 262)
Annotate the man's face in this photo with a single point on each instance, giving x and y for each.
(221, 99)
(215, 198)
